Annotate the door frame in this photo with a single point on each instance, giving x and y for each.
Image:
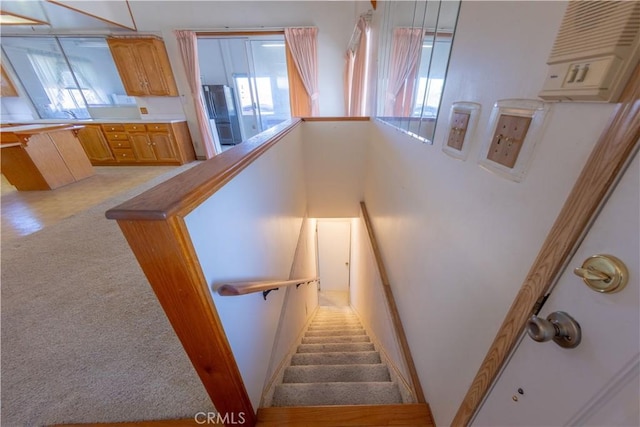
(604, 167)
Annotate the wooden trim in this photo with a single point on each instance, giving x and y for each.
(167, 257)
(393, 308)
(409, 415)
(374, 4)
(33, 20)
(336, 119)
(605, 164)
(183, 193)
(238, 33)
(134, 28)
(8, 89)
(244, 288)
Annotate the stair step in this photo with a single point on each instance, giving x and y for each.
(336, 373)
(334, 326)
(368, 393)
(335, 347)
(336, 332)
(337, 358)
(335, 339)
(405, 415)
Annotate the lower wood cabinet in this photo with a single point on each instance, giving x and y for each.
(95, 144)
(138, 143)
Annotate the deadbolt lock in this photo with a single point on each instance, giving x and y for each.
(558, 326)
(603, 273)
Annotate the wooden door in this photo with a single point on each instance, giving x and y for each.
(125, 56)
(595, 383)
(94, 143)
(141, 145)
(162, 145)
(334, 249)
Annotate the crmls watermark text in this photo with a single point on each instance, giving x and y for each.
(218, 418)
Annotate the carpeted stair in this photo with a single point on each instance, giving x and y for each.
(336, 364)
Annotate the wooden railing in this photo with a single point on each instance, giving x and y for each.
(154, 225)
(393, 309)
(266, 286)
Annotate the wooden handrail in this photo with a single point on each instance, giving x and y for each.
(393, 309)
(183, 193)
(265, 286)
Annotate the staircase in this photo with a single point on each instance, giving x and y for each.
(336, 364)
(337, 378)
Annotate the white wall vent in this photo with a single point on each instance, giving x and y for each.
(596, 49)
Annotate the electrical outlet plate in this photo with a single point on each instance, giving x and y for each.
(514, 129)
(463, 118)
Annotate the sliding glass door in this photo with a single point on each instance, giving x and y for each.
(252, 72)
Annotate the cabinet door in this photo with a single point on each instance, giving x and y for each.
(94, 143)
(163, 146)
(125, 54)
(7, 88)
(142, 147)
(154, 64)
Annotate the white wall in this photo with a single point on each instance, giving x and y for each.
(248, 230)
(335, 21)
(335, 158)
(458, 240)
(367, 295)
(300, 303)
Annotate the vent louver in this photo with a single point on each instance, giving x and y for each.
(595, 51)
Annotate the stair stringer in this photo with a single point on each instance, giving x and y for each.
(278, 375)
(394, 371)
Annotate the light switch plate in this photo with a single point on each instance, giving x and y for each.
(514, 129)
(463, 118)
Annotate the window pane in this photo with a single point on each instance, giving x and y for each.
(271, 82)
(95, 71)
(46, 77)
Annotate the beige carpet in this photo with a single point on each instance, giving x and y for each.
(83, 336)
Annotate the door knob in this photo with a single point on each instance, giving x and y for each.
(603, 273)
(558, 326)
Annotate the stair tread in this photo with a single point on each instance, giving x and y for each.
(336, 393)
(336, 373)
(335, 332)
(335, 339)
(407, 415)
(336, 358)
(335, 347)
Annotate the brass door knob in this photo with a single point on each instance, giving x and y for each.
(603, 273)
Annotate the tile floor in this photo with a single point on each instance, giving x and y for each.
(25, 212)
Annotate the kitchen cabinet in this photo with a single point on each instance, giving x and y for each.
(148, 143)
(36, 157)
(143, 65)
(94, 143)
(6, 86)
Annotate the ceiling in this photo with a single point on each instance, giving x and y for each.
(69, 16)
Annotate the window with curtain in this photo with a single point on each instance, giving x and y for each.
(64, 76)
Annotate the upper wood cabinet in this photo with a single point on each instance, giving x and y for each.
(7, 87)
(144, 66)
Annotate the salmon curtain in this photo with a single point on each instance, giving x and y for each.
(302, 51)
(356, 72)
(405, 54)
(188, 44)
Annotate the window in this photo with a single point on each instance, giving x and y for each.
(66, 76)
(433, 64)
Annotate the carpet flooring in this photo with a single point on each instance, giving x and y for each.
(336, 364)
(84, 339)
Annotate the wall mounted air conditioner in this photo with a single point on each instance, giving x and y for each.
(595, 52)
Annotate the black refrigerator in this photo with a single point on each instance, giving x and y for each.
(220, 103)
